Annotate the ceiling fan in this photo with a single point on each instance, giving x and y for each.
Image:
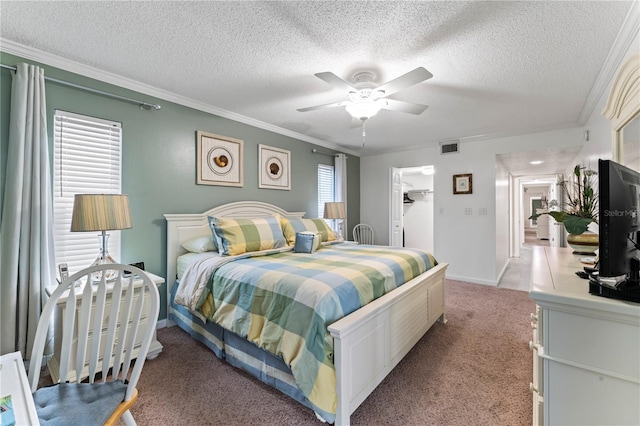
(366, 98)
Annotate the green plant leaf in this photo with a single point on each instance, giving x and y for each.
(576, 170)
(576, 225)
(558, 216)
(535, 216)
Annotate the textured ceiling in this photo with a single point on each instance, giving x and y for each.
(499, 68)
(554, 161)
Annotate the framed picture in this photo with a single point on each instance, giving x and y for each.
(275, 168)
(219, 160)
(462, 184)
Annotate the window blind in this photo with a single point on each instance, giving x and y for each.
(326, 187)
(87, 160)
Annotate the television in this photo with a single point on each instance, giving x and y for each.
(619, 207)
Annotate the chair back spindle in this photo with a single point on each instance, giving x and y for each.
(363, 234)
(100, 325)
(108, 324)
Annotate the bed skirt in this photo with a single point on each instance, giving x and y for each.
(238, 351)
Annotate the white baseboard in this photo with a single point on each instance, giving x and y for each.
(472, 280)
(504, 269)
(161, 323)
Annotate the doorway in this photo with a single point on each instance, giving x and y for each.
(412, 209)
(535, 194)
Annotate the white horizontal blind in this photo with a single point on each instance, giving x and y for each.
(87, 160)
(326, 187)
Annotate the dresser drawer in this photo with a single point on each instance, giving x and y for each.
(594, 342)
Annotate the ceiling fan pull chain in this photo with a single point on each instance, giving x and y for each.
(364, 133)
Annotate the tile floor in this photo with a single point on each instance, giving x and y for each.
(518, 273)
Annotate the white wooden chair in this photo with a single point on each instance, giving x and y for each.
(363, 233)
(97, 310)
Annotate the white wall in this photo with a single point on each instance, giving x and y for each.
(471, 244)
(502, 219)
(418, 217)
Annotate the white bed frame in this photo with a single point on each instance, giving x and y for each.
(368, 343)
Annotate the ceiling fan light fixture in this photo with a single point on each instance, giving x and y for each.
(363, 110)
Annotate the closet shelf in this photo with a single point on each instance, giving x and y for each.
(420, 191)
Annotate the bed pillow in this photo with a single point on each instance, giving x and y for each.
(307, 242)
(291, 226)
(239, 235)
(200, 244)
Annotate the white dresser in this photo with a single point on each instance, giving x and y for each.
(542, 229)
(586, 348)
(54, 362)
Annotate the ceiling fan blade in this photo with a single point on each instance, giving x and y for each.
(407, 80)
(325, 106)
(402, 106)
(335, 81)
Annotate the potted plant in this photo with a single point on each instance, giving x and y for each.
(580, 210)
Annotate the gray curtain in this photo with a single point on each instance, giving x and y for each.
(27, 263)
(340, 167)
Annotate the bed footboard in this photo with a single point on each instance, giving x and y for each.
(370, 342)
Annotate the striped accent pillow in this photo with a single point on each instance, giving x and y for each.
(237, 236)
(291, 226)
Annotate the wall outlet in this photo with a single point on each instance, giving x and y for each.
(482, 211)
(468, 210)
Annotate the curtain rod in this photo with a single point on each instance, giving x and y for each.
(89, 89)
(315, 151)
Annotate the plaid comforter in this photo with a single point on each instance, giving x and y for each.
(284, 302)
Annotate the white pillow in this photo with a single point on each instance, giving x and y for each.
(199, 244)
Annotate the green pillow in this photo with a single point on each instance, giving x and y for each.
(238, 235)
(291, 226)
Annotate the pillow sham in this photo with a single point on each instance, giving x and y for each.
(291, 226)
(200, 244)
(242, 235)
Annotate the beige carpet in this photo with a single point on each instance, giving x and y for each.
(475, 370)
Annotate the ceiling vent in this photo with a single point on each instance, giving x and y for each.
(452, 147)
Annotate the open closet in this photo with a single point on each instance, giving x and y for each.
(418, 207)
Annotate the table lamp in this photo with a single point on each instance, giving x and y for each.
(336, 211)
(101, 212)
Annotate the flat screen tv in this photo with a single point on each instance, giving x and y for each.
(619, 206)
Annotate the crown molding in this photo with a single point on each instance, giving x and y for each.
(621, 45)
(55, 61)
(476, 138)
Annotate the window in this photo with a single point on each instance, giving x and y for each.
(326, 187)
(87, 160)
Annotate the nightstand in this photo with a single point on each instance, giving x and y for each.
(54, 363)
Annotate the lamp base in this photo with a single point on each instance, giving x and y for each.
(104, 259)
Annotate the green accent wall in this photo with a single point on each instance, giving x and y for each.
(159, 161)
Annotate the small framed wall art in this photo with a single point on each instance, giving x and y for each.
(219, 160)
(275, 168)
(462, 184)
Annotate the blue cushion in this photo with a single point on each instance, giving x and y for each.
(307, 242)
(78, 403)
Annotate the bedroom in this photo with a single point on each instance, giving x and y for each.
(159, 149)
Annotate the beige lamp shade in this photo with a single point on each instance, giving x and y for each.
(334, 210)
(100, 212)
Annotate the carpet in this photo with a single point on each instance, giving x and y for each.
(474, 370)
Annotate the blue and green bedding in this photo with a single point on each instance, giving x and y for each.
(283, 302)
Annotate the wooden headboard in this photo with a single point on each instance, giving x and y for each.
(181, 227)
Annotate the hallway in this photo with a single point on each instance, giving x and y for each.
(518, 273)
